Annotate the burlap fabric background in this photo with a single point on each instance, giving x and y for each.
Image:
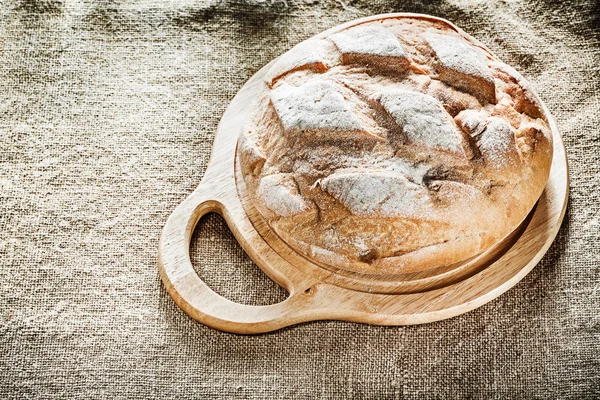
(107, 116)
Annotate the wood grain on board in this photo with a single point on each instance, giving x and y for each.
(317, 292)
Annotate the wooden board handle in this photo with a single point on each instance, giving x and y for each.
(199, 301)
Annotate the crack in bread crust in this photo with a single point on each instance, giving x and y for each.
(397, 144)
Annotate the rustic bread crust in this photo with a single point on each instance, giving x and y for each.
(395, 145)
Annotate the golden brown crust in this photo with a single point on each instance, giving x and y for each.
(395, 145)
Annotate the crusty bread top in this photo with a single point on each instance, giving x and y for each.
(395, 145)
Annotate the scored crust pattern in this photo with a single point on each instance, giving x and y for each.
(392, 146)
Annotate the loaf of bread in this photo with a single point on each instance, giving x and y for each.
(394, 146)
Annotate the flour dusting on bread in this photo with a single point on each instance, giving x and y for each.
(312, 106)
(389, 194)
(462, 65)
(375, 40)
(422, 119)
(280, 195)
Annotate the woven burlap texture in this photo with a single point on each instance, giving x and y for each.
(107, 116)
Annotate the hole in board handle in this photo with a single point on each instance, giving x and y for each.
(222, 264)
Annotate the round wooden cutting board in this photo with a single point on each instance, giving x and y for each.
(317, 292)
